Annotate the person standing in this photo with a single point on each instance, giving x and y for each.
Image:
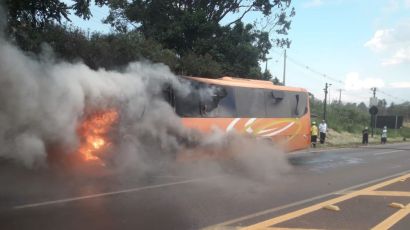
(365, 137)
(313, 134)
(384, 135)
(323, 131)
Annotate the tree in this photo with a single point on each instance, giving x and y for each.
(195, 27)
(402, 109)
(362, 107)
(159, 14)
(38, 13)
(381, 104)
(276, 81)
(267, 76)
(27, 19)
(192, 64)
(186, 35)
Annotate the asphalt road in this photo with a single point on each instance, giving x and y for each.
(103, 199)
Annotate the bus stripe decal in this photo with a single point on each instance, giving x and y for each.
(267, 130)
(232, 124)
(280, 130)
(248, 125)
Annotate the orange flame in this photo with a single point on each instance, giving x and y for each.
(94, 131)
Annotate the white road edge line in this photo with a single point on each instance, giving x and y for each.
(301, 202)
(319, 150)
(71, 199)
(382, 153)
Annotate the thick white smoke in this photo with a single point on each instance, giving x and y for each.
(42, 102)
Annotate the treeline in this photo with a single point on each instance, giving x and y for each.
(353, 117)
(188, 36)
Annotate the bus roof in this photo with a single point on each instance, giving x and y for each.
(243, 82)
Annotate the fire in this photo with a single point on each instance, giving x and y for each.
(94, 134)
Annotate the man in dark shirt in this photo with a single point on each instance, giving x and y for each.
(365, 139)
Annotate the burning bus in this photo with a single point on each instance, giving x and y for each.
(251, 107)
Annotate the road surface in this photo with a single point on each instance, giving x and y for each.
(360, 182)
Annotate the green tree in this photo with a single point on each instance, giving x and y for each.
(362, 107)
(195, 27)
(27, 20)
(203, 65)
(186, 35)
(268, 76)
(38, 13)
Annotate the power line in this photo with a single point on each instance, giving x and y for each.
(394, 97)
(337, 81)
(313, 70)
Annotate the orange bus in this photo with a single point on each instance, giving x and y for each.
(252, 107)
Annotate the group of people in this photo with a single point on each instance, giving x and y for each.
(314, 131)
(321, 131)
(365, 136)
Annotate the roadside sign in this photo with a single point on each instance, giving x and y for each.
(373, 110)
(373, 101)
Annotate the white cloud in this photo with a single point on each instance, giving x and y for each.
(393, 43)
(353, 81)
(380, 40)
(401, 84)
(400, 56)
(395, 5)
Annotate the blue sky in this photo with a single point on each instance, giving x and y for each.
(362, 44)
(359, 44)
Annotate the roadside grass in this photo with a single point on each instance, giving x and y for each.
(347, 139)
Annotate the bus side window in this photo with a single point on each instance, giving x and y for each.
(301, 104)
(188, 105)
(217, 101)
(297, 105)
(168, 95)
(278, 96)
(278, 104)
(250, 102)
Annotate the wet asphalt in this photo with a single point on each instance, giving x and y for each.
(95, 198)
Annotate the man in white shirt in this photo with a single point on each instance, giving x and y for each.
(384, 135)
(322, 130)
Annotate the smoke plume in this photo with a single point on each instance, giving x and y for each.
(42, 102)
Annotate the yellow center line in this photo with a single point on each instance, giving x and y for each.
(291, 229)
(393, 219)
(385, 193)
(300, 212)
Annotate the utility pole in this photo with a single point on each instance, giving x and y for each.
(325, 101)
(373, 115)
(374, 89)
(284, 68)
(266, 64)
(340, 95)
